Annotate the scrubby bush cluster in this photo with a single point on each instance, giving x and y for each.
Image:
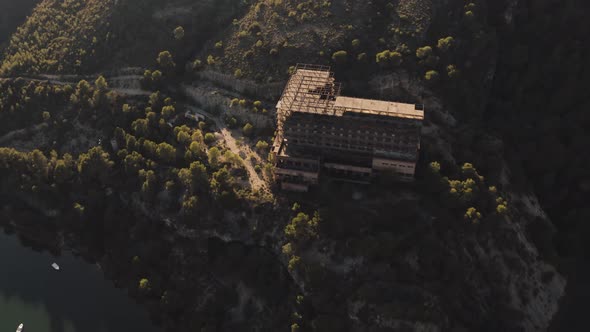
(468, 194)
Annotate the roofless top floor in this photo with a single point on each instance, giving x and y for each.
(313, 90)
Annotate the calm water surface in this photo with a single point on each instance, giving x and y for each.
(75, 299)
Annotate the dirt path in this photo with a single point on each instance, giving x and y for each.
(22, 132)
(256, 182)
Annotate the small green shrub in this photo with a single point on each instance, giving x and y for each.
(209, 138)
(340, 57)
(179, 33)
(248, 130)
(444, 44)
(431, 76)
(424, 52)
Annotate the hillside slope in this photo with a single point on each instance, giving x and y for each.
(79, 36)
(450, 252)
(277, 34)
(540, 107)
(59, 36)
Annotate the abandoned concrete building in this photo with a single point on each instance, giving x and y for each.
(319, 131)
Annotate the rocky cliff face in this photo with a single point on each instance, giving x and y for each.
(502, 272)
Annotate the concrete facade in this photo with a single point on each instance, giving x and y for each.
(348, 138)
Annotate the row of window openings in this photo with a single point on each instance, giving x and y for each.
(365, 147)
(351, 133)
(397, 165)
(296, 179)
(368, 141)
(333, 128)
(342, 132)
(352, 173)
(300, 178)
(342, 172)
(300, 164)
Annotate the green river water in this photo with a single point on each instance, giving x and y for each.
(75, 299)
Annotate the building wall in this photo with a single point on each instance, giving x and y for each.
(354, 135)
(403, 168)
(297, 170)
(353, 146)
(283, 175)
(294, 187)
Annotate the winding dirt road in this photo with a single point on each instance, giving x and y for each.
(125, 84)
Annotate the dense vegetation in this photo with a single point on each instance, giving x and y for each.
(59, 36)
(78, 36)
(25, 102)
(153, 156)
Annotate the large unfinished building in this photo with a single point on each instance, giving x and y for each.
(352, 139)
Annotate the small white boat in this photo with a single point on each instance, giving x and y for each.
(55, 266)
(20, 328)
